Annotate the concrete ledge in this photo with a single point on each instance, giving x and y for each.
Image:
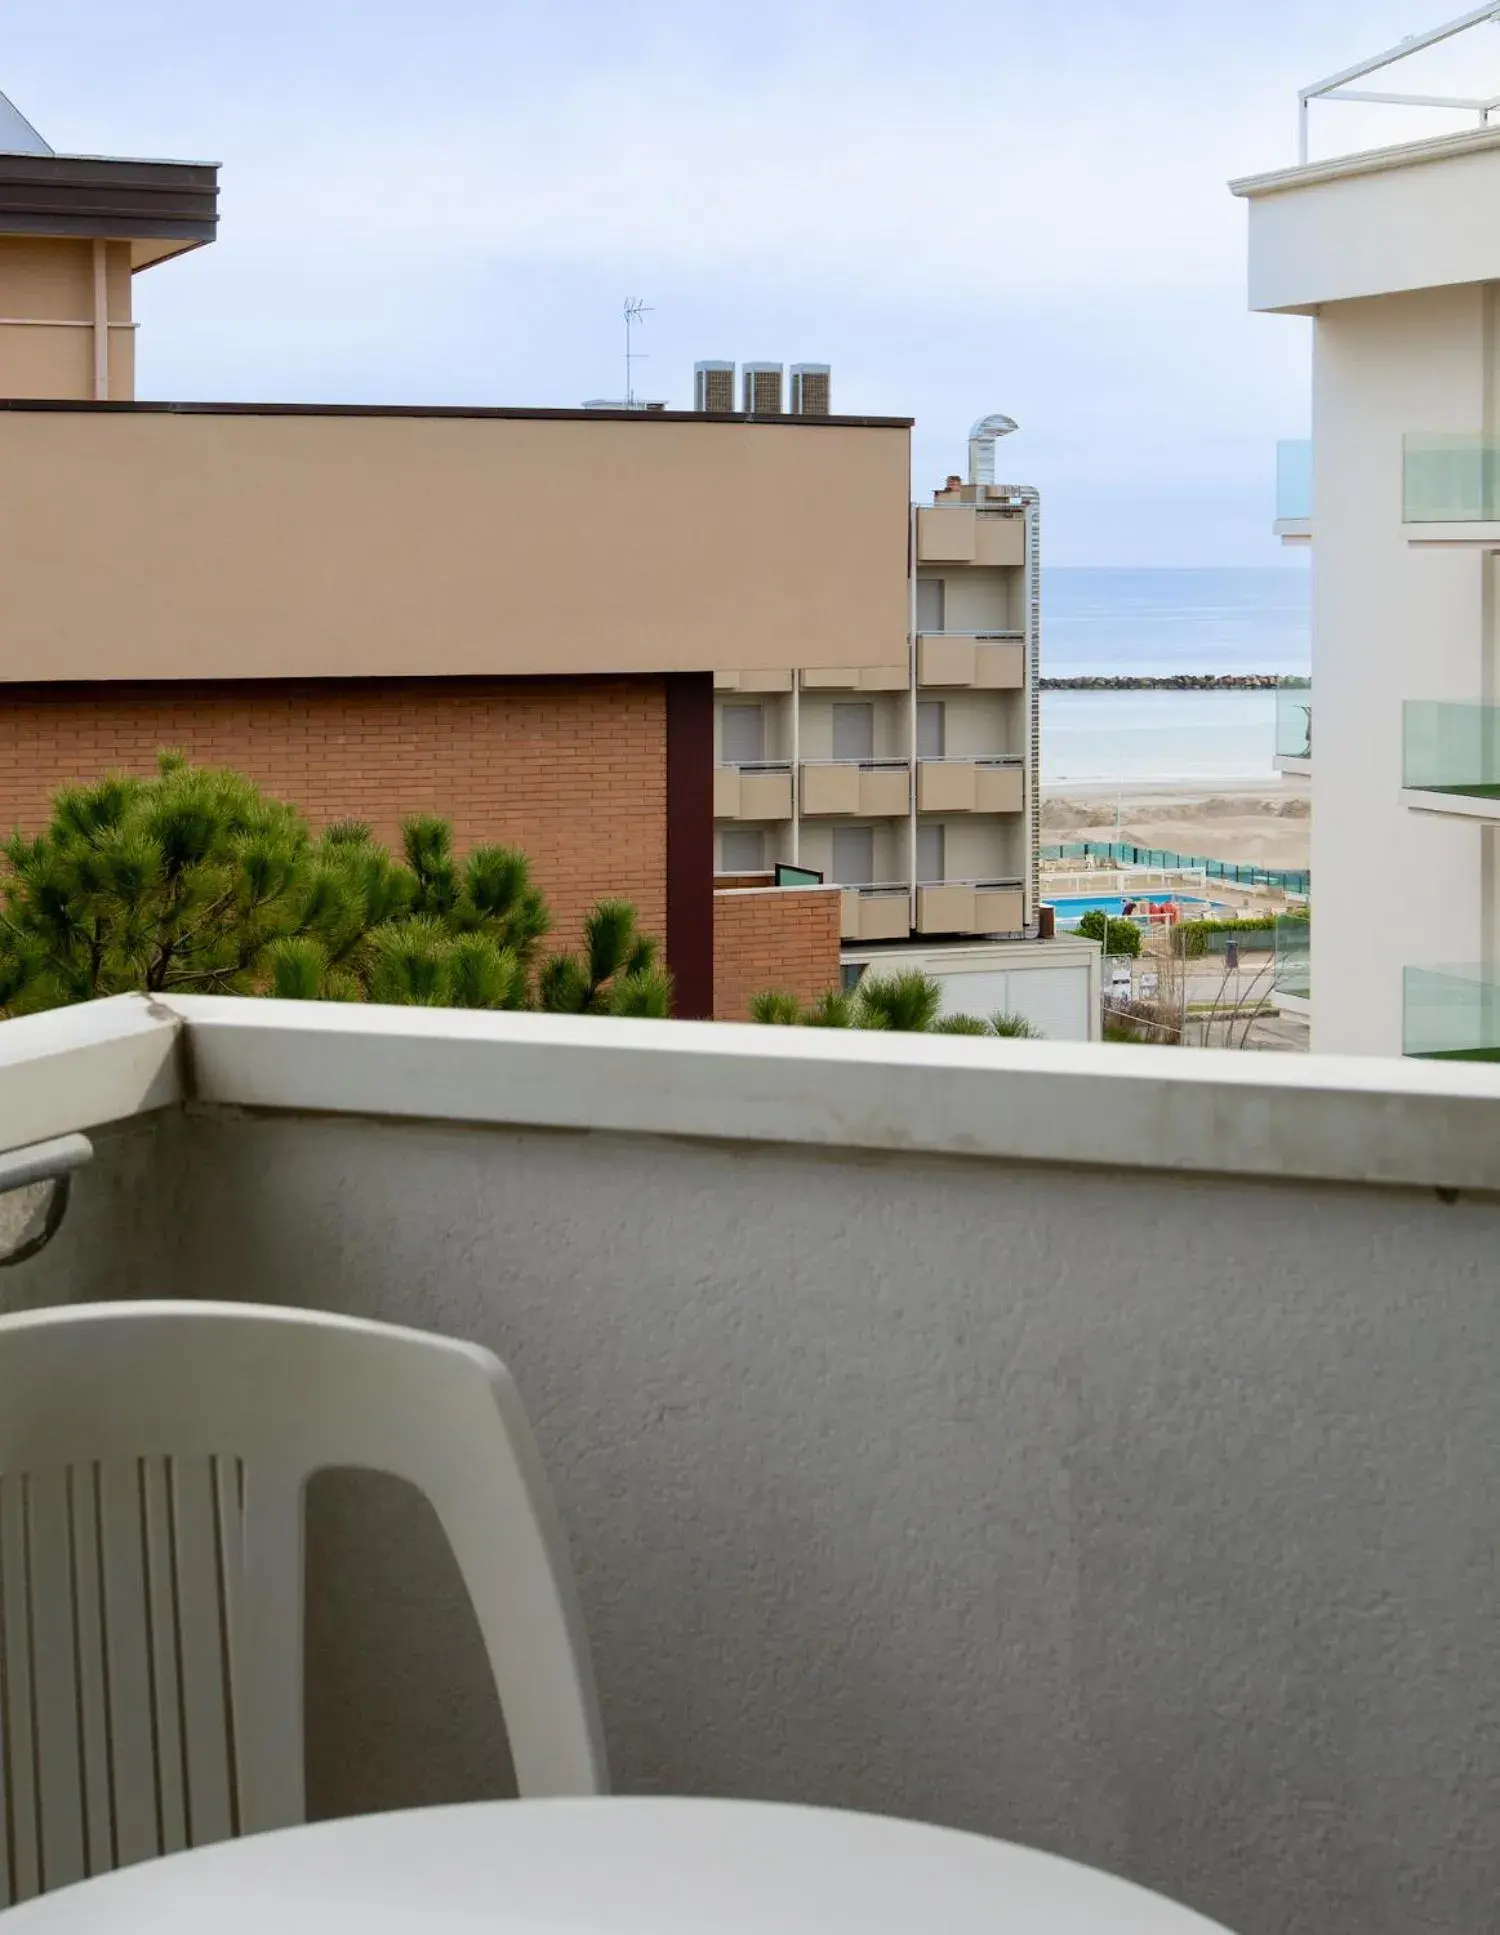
(1357, 1120)
(1449, 806)
(1419, 1124)
(76, 1068)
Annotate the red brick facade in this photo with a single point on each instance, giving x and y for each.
(573, 771)
(776, 937)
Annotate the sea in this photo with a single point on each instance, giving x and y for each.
(1109, 622)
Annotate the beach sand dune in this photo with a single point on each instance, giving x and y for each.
(1249, 822)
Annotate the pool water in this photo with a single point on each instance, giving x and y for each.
(1071, 906)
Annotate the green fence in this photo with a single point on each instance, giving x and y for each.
(1121, 853)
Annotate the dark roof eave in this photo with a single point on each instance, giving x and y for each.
(445, 410)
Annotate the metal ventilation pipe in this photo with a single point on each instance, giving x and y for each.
(982, 440)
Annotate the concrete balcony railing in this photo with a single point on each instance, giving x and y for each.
(960, 534)
(978, 659)
(875, 914)
(971, 785)
(753, 790)
(870, 789)
(971, 907)
(753, 681)
(856, 678)
(1090, 1445)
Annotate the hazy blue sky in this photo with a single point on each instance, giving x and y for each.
(968, 206)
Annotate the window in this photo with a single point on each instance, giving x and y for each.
(742, 849)
(930, 604)
(854, 855)
(742, 735)
(932, 728)
(931, 858)
(854, 731)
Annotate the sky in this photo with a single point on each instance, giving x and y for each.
(963, 207)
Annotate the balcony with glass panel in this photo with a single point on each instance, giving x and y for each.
(1451, 759)
(1450, 489)
(1294, 490)
(1451, 1013)
(1293, 727)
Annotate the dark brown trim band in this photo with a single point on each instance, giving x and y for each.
(69, 404)
(175, 201)
(690, 842)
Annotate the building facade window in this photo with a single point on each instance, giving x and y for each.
(854, 730)
(930, 603)
(932, 728)
(742, 735)
(931, 852)
(742, 849)
(854, 855)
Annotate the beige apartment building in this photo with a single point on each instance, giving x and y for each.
(910, 779)
(508, 616)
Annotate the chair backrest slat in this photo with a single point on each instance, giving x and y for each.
(53, 1679)
(197, 1576)
(162, 1656)
(24, 1878)
(93, 1709)
(132, 1732)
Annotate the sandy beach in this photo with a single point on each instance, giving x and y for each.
(1263, 823)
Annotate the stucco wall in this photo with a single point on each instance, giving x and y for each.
(1146, 1518)
(1390, 622)
(1418, 216)
(159, 544)
(49, 280)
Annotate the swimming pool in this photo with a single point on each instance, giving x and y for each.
(1071, 908)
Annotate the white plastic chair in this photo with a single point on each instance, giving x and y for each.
(153, 1464)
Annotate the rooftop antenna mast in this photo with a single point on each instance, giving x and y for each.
(636, 311)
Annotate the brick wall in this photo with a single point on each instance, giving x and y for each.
(571, 770)
(777, 937)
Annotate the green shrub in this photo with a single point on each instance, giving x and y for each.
(900, 1003)
(1117, 936)
(906, 1003)
(1195, 933)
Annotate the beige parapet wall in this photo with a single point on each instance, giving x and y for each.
(210, 543)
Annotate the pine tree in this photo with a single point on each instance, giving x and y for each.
(180, 883)
(193, 882)
(616, 974)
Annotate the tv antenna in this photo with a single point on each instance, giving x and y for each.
(636, 310)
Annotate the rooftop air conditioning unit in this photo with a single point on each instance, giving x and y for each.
(713, 388)
(812, 390)
(762, 389)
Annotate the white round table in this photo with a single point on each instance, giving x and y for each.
(609, 1867)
